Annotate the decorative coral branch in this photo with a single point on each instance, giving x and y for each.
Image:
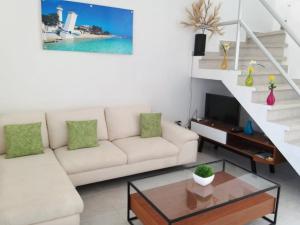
(203, 16)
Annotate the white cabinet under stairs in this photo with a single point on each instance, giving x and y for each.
(281, 122)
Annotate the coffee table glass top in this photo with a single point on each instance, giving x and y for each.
(176, 195)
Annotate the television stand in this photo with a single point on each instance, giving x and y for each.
(257, 147)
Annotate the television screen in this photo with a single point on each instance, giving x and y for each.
(222, 108)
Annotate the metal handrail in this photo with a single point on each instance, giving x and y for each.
(241, 24)
(229, 22)
(283, 24)
(267, 53)
(270, 56)
(238, 36)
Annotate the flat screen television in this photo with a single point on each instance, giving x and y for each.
(222, 108)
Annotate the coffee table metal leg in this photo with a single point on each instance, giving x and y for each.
(200, 144)
(272, 168)
(277, 205)
(253, 166)
(129, 219)
(274, 221)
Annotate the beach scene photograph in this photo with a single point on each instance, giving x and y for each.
(73, 26)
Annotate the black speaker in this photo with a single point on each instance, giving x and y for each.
(200, 44)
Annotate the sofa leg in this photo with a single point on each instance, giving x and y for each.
(200, 144)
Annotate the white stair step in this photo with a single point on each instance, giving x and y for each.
(297, 81)
(271, 33)
(292, 135)
(216, 56)
(213, 60)
(277, 37)
(243, 64)
(250, 49)
(255, 52)
(263, 79)
(279, 105)
(265, 87)
(254, 45)
(295, 142)
(291, 123)
(269, 70)
(261, 96)
(286, 113)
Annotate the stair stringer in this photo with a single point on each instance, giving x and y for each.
(258, 112)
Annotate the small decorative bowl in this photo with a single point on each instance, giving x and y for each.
(203, 181)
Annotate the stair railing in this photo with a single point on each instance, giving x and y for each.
(241, 24)
(282, 23)
(270, 56)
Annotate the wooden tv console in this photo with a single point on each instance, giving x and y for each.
(221, 134)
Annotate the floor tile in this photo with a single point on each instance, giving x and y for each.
(106, 202)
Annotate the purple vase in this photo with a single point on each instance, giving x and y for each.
(271, 98)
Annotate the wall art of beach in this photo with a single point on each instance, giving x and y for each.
(73, 26)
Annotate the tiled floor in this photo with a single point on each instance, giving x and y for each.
(105, 203)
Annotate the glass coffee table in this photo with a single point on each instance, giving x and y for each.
(236, 197)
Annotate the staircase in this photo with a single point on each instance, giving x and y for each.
(281, 122)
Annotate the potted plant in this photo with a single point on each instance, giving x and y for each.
(203, 17)
(272, 86)
(250, 71)
(203, 175)
(225, 47)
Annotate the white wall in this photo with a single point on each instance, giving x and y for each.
(252, 12)
(288, 10)
(293, 50)
(157, 73)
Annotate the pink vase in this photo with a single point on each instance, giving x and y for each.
(271, 98)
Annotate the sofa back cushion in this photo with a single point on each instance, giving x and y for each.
(57, 127)
(123, 122)
(24, 118)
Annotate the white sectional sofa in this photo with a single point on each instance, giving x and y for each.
(35, 189)
(40, 189)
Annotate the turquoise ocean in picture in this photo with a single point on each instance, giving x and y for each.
(110, 46)
(74, 26)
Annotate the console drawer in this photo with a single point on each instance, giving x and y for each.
(209, 132)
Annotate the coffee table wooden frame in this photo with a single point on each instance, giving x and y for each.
(131, 186)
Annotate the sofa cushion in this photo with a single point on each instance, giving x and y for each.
(82, 134)
(150, 124)
(141, 149)
(123, 122)
(23, 140)
(58, 133)
(35, 189)
(23, 118)
(87, 159)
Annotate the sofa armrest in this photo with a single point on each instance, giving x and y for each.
(177, 134)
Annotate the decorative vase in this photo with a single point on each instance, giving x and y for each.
(271, 98)
(224, 65)
(203, 181)
(249, 81)
(248, 129)
(200, 44)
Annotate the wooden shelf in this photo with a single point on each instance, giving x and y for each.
(246, 145)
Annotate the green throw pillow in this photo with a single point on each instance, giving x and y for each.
(82, 134)
(150, 124)
(23, 139)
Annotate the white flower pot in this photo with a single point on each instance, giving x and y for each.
(203, 181)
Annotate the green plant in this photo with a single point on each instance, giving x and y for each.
(272, 84)
(50, 20)
(204, 171)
